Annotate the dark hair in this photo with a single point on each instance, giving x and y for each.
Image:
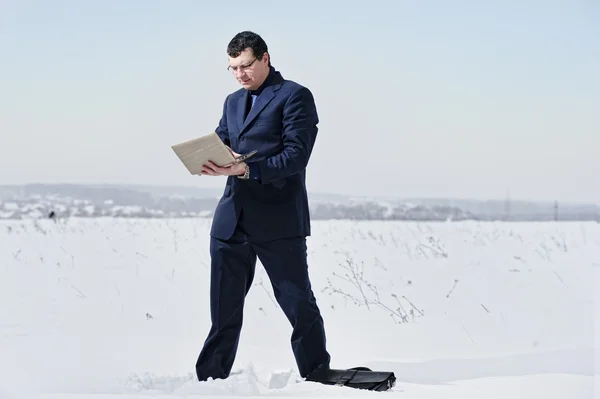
(244, 40)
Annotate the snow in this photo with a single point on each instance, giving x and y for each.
(11, 206)
(109, 308)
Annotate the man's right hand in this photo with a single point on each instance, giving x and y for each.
(235, 154)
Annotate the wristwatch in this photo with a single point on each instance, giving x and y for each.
(246, 174)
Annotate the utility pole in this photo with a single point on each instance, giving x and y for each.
(556, 211)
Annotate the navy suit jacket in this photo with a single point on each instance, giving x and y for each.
(282, 127)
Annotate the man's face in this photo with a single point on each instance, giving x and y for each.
(249, 71)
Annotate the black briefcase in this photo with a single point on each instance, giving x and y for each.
(356, 377)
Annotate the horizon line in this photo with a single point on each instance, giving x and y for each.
(506, 199)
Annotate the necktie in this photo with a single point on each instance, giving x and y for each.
(248, 108)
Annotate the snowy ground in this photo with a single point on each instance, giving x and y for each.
(118, 308)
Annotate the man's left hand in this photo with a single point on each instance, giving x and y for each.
(234, 170)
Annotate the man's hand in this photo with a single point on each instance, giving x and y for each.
(234, 170)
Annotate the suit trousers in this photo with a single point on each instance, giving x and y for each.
(233, 265)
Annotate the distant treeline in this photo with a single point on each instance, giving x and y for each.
(39, 201)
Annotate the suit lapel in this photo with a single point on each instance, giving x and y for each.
(259, 104)
(241, 109)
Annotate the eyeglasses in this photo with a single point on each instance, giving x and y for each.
(241, 68)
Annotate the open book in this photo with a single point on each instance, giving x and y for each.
(197, 152)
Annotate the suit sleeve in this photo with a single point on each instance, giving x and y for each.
(221, 129)
(299, 133)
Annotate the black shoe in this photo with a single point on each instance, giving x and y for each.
(323, 366)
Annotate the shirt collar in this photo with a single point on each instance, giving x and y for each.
(265, 83)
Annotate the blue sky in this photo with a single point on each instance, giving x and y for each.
(437, 98)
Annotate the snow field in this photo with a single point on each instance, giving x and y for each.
(119, 308)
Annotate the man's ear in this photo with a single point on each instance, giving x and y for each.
(266, 58)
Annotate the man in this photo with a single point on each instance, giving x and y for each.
(263, 212)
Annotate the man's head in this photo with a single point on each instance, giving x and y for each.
(249, 59)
